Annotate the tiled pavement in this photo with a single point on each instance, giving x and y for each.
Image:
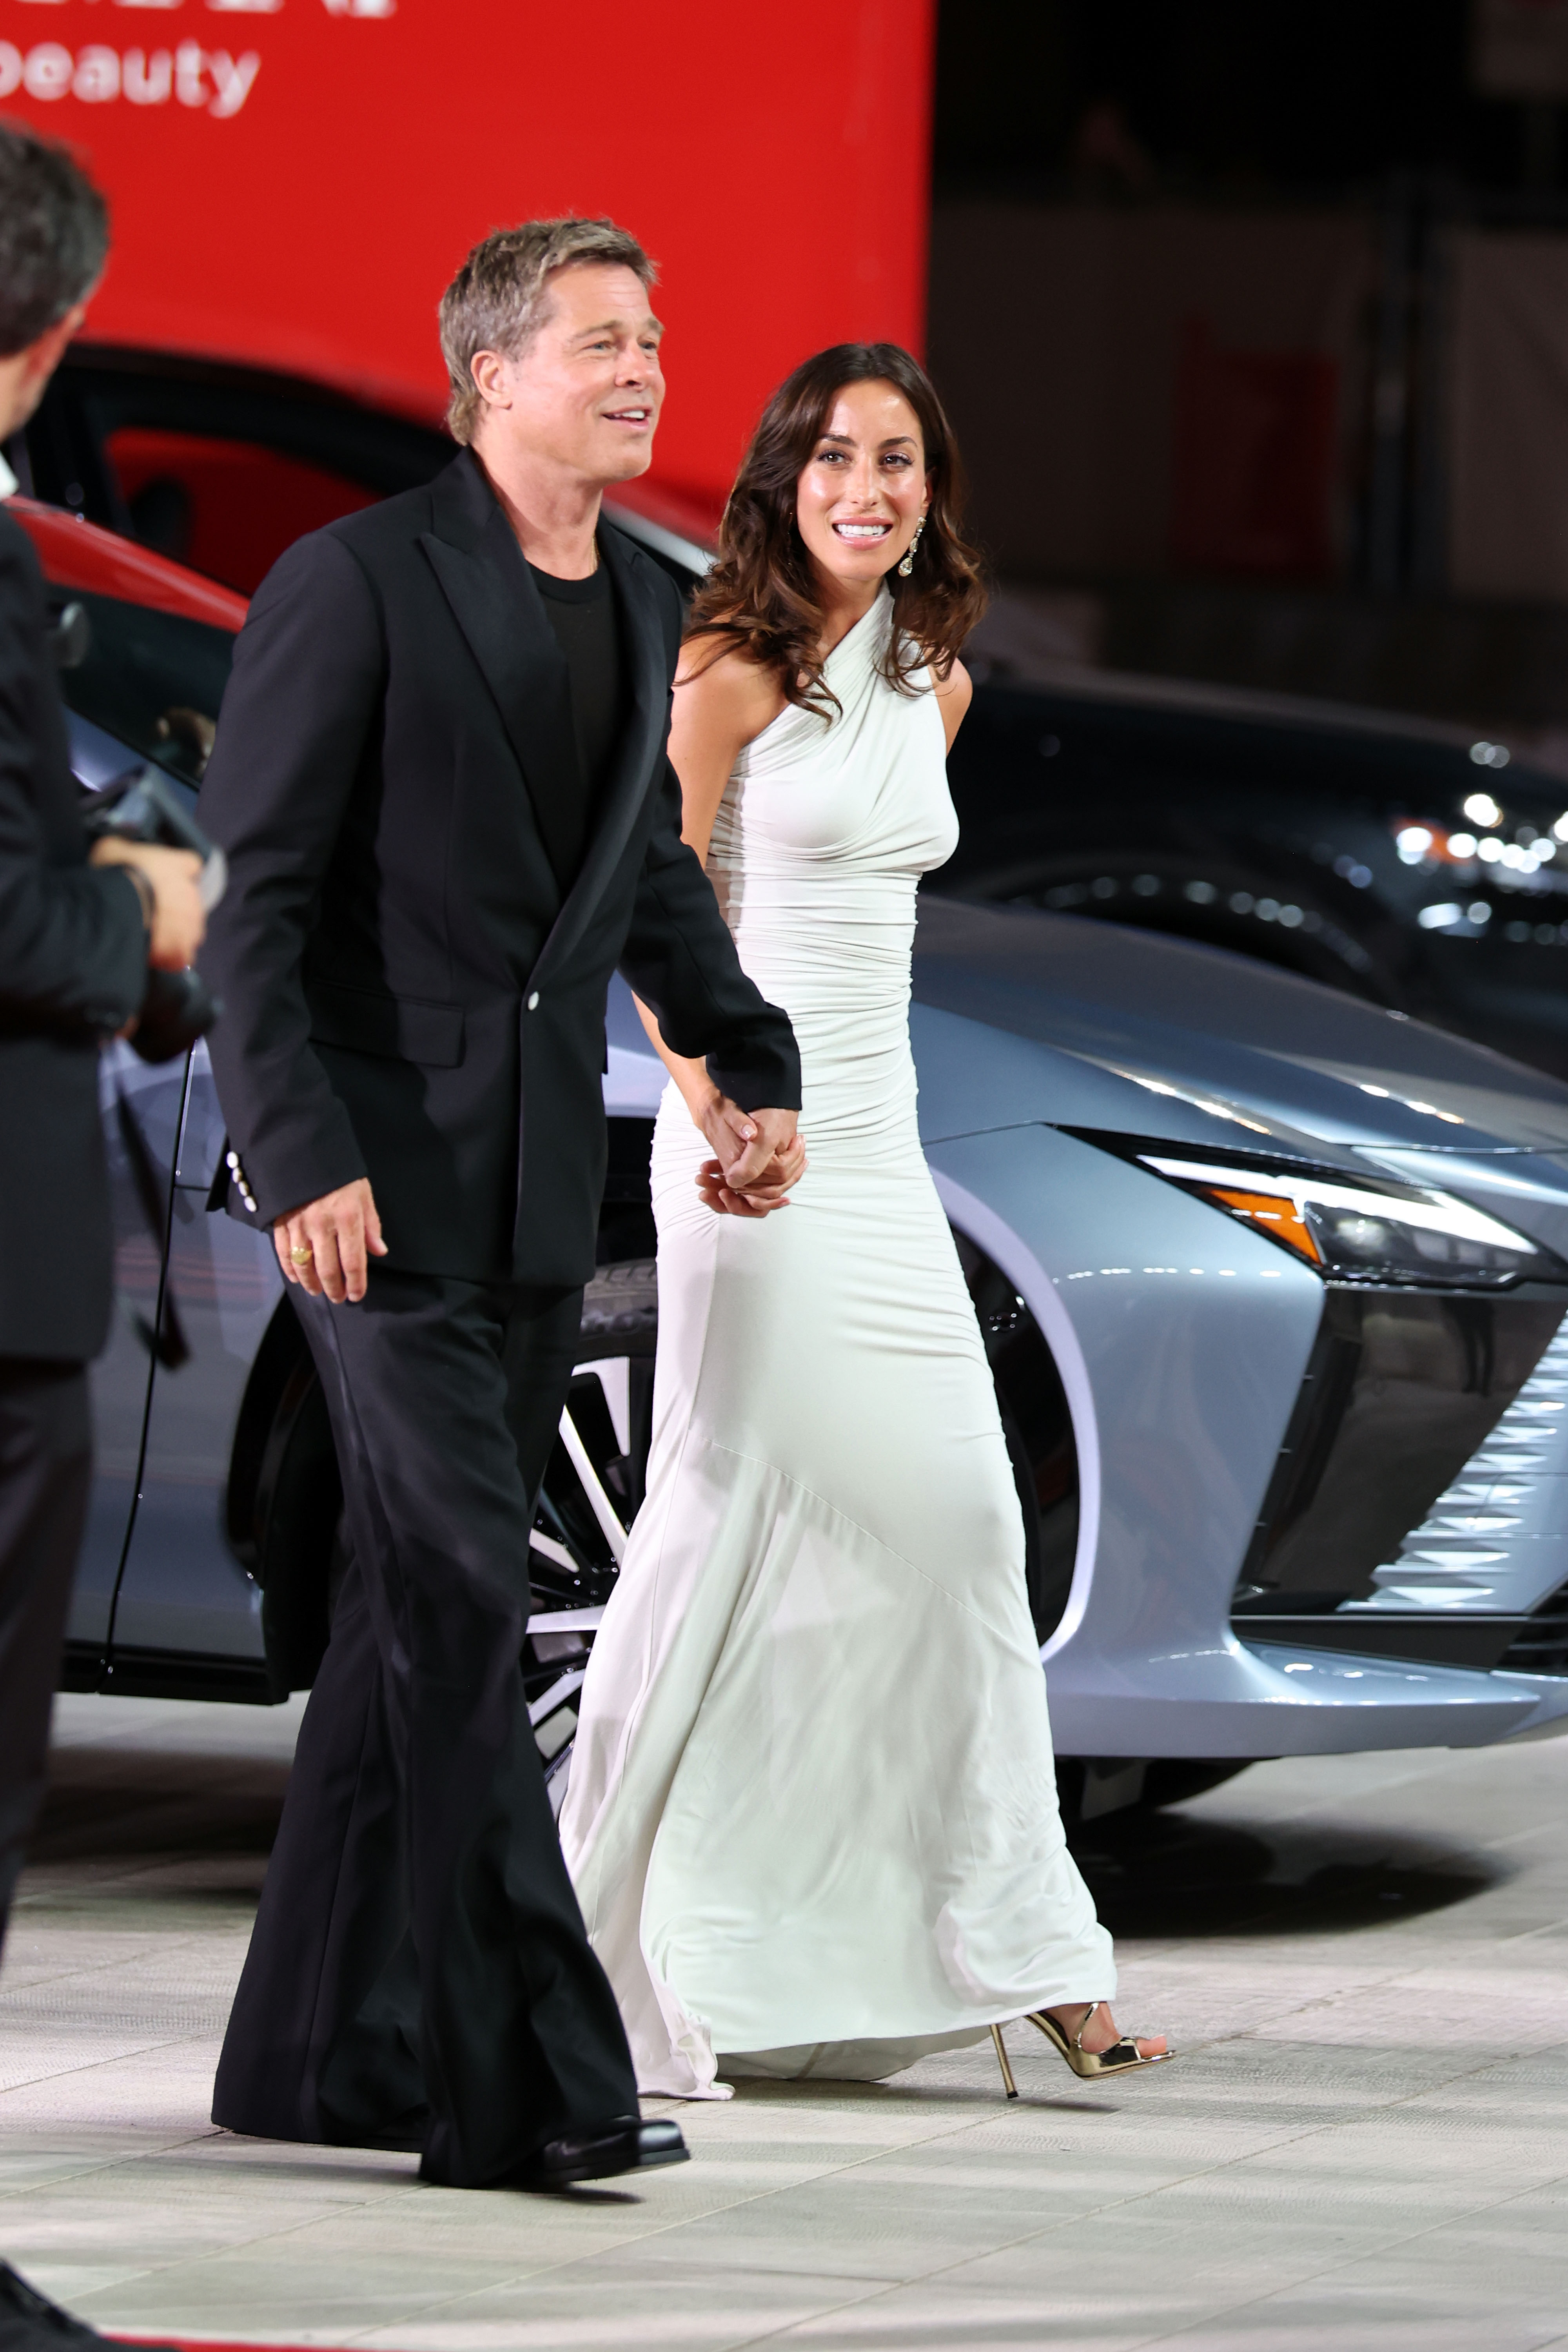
(1365, 2143)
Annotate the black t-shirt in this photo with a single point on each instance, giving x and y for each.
(587, 629)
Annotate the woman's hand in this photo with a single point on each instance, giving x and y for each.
(769, 1189)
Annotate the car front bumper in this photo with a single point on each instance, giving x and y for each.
(1183, 1339)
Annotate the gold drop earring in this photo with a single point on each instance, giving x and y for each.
(908, 565)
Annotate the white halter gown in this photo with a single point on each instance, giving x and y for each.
(812, 1817)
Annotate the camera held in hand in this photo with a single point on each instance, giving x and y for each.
(178, 1007)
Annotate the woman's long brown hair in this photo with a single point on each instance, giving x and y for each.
(761, 594)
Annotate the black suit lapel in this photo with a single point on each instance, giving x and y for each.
(477, 560)
(641, 749)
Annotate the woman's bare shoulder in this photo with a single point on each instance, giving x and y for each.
(721, 685)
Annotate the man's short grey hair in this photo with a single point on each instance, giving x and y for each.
(499, 298)
(54, 235)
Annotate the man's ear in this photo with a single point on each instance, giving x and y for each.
(489, 369)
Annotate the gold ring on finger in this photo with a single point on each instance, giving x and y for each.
(302, 1257)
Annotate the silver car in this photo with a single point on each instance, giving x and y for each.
(1271, 1281)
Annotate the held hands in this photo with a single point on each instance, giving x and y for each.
(323, 1246)
(170, 893)
(759, 1157)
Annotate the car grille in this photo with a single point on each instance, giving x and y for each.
(1542, 1647)
(1497, 1537)
(1420, 1506)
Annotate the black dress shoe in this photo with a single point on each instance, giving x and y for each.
(29, 2322)
(623, 2145)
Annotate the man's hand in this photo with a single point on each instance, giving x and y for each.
(177, 924)
(323, 1246)
(759, 1157)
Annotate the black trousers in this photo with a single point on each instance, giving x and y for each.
(46, 1464)
(419, 1975)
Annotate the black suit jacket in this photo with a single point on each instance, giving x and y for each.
(73, 965)
(408, 996)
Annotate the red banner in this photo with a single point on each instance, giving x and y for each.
(294, 180)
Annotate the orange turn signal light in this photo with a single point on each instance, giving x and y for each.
(1279, 1217)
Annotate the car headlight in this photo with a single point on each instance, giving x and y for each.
(1364, 1229)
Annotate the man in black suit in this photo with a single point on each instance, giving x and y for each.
(441, 781)
(76, 933)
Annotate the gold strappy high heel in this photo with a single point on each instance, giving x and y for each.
(1122, 2057)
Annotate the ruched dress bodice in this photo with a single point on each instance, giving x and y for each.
(817, 848)
(811, 1813)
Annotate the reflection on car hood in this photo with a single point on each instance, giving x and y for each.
(1218, 1040)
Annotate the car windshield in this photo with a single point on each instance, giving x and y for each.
(153, 679)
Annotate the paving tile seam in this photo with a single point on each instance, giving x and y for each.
(173, 2039)
(159, 1940)
(1214, 2171)
(255, 2246)
(88, 2169)
(722, 2206)
(1203, 2317)
(400, 2186)
(1392, 1980)
(90, 2065)
(956, 2131)
(41, 2016)
(432, 2314)
(1506, 1942)
(44, 2024)
(554, 2270)
(1528, 1935)
(684, 2220)
(1376, 2107)
(829, 2310)
(1329, 2269)
(1298, 2009)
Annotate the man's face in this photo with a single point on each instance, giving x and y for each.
(586, 391)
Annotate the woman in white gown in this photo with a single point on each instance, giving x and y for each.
(812, 1814)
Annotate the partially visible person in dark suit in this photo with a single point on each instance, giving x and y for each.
(77, 933)
(441, 782)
